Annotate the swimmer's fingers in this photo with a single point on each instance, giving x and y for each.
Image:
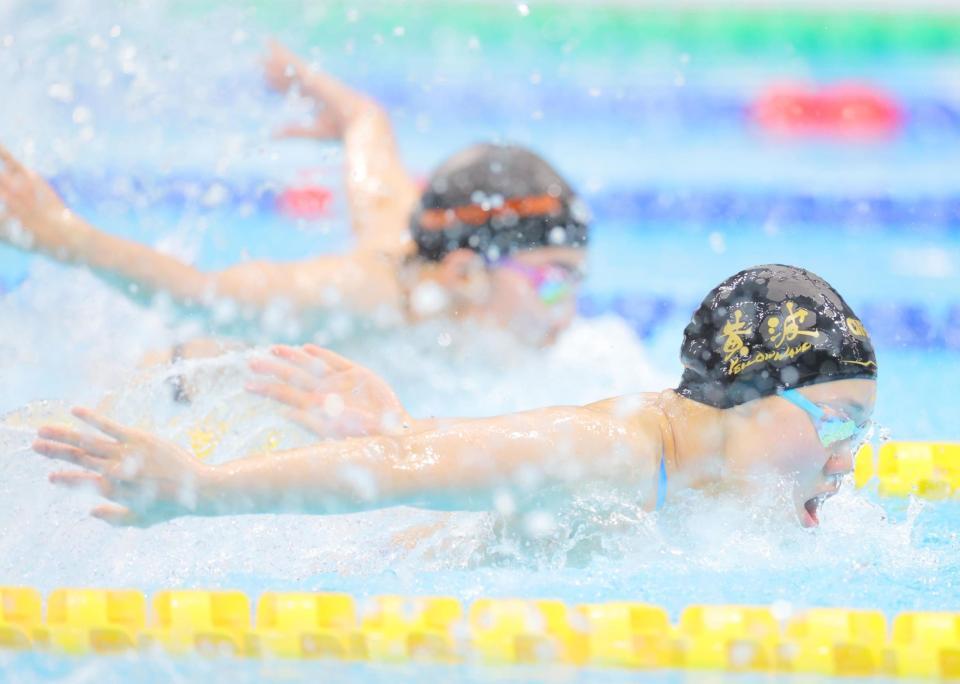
(286, 372)
(82, 480)
(105, 425)
(332, 359)
(360, 380)
(71, 454)
(281, 66)
(352, 386)
(285, 394)
(314, 364)
(95, 446)
(11, 163)
(116, 515)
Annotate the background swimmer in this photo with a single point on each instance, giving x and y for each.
(779, 377)
(496, 235)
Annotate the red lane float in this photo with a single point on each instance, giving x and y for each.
(850, 111)
(305, 202)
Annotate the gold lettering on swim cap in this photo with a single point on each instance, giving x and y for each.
(782, 332)
(734, 331)
(737, 366)
(865, 364)
(856, 327)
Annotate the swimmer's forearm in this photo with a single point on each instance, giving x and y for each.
(345, 102)
(462, 465)
(350, 476)
(380, 191)
(346, 476)
(136, 269)
(135, 264)
(142, 272)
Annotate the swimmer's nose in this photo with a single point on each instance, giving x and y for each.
(840, 463)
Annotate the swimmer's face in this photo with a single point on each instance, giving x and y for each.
(533, 293)
(777, 434)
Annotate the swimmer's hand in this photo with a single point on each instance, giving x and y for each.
(282, 69)
(329, 395)
(147, 478)
(32, 215)
(336, 104)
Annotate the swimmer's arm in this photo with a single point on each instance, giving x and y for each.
(380, 191)
(461, 465)
(361, 282)
(33, 217)
(355, 282)
(464, 465)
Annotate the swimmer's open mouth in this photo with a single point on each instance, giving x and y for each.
(811, 517)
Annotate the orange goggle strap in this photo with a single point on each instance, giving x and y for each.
(516, 223)
(477, 215)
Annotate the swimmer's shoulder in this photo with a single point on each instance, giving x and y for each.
(639, 413)
(368, 279)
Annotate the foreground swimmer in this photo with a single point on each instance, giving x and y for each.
(497, 234)
(779, 377)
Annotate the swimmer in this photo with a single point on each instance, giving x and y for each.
(779, 377)
(497, 234)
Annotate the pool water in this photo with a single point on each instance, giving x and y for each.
(163, 136)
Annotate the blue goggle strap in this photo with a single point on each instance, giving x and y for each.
(794, 397)
(829, 430)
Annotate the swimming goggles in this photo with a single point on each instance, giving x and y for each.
(553, 282)
(830, 429)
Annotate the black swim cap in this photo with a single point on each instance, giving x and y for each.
(496, 200)
(767, 329)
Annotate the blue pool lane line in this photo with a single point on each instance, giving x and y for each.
(642, 205)
(902, 324)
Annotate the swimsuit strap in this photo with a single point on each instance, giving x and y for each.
(662, 483)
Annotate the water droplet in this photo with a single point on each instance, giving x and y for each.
(82, 115)
(717, 242)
